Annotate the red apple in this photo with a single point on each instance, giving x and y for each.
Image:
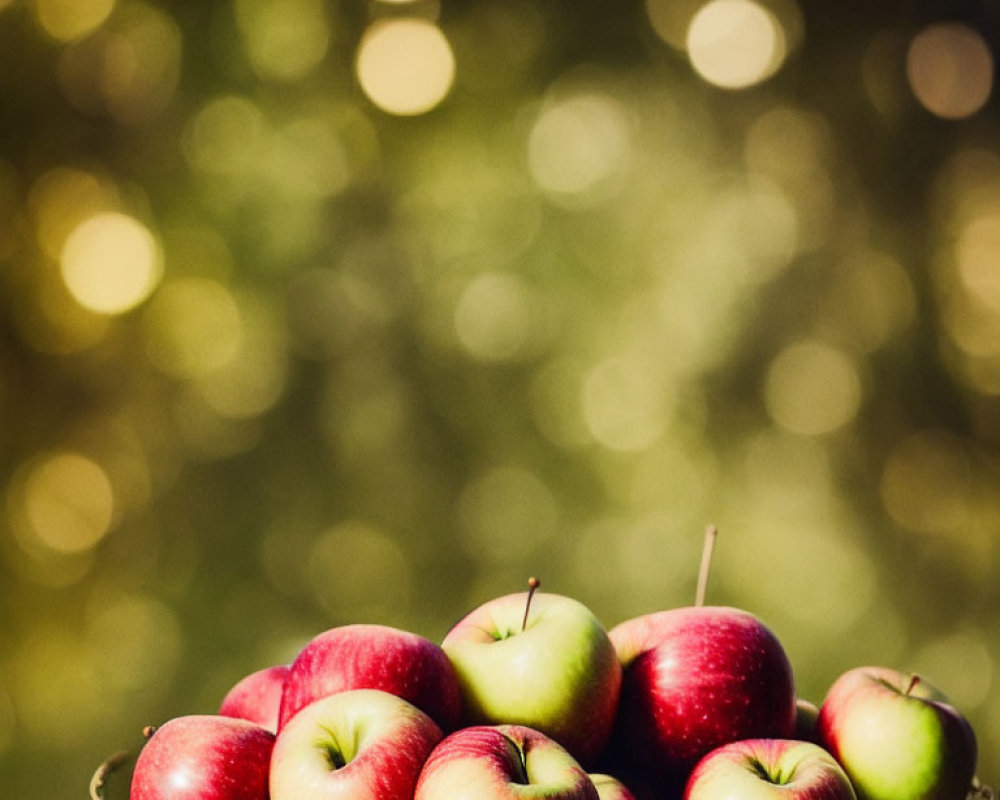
(502, 762)
(768, 769)
(257, 697)
(697, 678)
(361, 744)
(204, 757)
(374, 657)
(897, 736)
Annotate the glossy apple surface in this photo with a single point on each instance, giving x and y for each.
(257, 697)
(361, 744)
(610, 788)
(204, 757)
(502, 762)
(697, 678)
(895, 739)
(559, 675)
(768, 769)
(374, 657)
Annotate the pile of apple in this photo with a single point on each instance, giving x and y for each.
(529, 696)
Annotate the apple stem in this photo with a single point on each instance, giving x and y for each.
(109, 765)
(911, 684)
(533, 584)
(711, 532)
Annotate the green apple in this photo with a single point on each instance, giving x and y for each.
(897, 736)
(360, 744)
(502, 762)
(768, 769)
(553, 669)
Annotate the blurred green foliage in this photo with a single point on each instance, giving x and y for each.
(315, 312)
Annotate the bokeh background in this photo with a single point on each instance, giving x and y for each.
(325, 311)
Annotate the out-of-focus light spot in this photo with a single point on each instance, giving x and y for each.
(205, 434)
(579, 148)
(814, 568)
(111, 263)
(228, 135)
(675, 481)
(56, 688)
(611, 551)
(252, 381)
(357, 571)
(976, 254)
(493, 317)
(884, 81)
(757, 220)
(789, 144)
(812, 388)
(130, 69)
(625, 404)
(734, 44)
(505, 515)
(66, 20)
(786, 473)
(950, 70)
(555, 403)
(62, 199)
(137, 640)
(8, 719)
(308, 159)
(960, 665)
(794, 149)
(926, 483)
(405, 66)
(671, 19)
(973, 326)
(284, 39)
(329, 312)
(871, 301)
(193, 327)
(64, 503)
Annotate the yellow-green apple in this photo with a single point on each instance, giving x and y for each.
(897, 736)
(554, 669)
(204, 757)
(768, 769)
(694, 679)
(361, 744)
(257, 697)
(373, 657)
(502, 762)
(610, 788)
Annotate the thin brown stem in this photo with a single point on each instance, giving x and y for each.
(911, 684)
(533, 584)
(711, 532)
(100, 777)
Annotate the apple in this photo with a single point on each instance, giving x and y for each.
(768, 769)
(696, 678)
(257, 697)
(361, 744)
(897, 736)
(365, 656)
(554, 669)
(502, 762)
(806, 720)
(204, 757)
(610, 788)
